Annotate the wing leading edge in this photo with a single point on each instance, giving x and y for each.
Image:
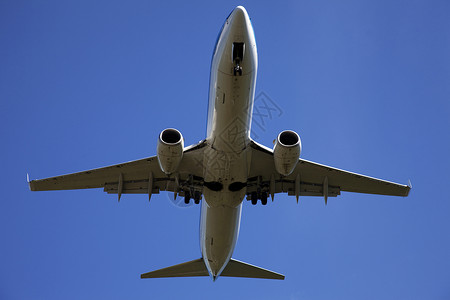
(313, 179)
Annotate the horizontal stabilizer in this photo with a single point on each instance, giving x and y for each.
(197, 267)
(237, 268)
(191, 268)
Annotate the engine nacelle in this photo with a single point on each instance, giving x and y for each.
(170, 150)
(286, 152)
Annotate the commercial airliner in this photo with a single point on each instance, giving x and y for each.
(227, 166)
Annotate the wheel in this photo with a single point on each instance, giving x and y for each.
(197, 197)
(187, 197)
(263, 198)
(237, 69)
(254, 197)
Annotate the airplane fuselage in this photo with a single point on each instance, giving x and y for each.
(226, 159)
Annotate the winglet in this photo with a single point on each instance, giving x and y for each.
(409, 187)
(29, 182)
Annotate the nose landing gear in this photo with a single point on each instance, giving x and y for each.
(237, 70)
(238, 57)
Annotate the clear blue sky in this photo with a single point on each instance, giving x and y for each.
(85, 84)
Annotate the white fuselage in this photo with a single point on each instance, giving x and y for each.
(227, 158)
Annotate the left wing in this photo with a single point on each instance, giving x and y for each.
(312, 179)
(142, 176)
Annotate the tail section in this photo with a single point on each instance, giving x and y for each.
(197, 267)
(188, 269)
(236, 268)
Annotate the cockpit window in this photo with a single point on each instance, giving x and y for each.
(220, 32)
(229, 14)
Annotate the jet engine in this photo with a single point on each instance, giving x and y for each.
(170, 150)
(286, 152)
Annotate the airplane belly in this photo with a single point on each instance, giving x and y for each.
(218, 235)
(232, 112)
(227, 157)
(225, 176)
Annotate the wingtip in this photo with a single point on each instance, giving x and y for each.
(29, 182)
(409, 188)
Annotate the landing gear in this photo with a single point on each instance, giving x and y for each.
(254, 197)
(263, 198)
(187, 197)
(237, 70)
(197, 197)
(238, 57)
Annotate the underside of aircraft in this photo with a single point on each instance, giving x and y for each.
(227, 166)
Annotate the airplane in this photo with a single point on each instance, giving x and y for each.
(227, 166)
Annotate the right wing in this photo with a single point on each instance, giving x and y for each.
(313, 179)
(142, 176)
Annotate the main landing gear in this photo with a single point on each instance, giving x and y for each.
(196, 195)
(255, 196)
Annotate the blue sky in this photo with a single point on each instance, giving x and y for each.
(84, 84)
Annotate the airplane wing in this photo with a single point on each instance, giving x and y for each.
(312, 179)
(142, 176)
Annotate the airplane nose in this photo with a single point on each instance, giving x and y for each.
(240, 10)
(239, 15)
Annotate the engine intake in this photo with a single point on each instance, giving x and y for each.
(286, 152)
(170, 150)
